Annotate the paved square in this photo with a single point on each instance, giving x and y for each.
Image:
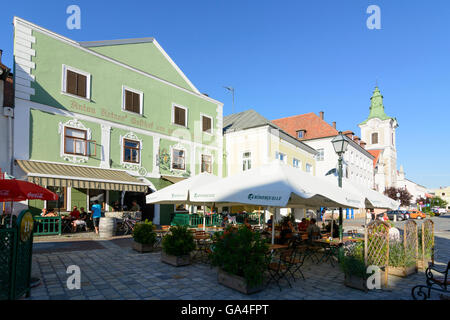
(110, 269)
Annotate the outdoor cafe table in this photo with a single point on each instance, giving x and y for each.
(273, 247)
(202, 243)
(332, 247)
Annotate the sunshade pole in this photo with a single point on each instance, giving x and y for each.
(273, 225)
(259, 216)
(332, 222)
(204, 216)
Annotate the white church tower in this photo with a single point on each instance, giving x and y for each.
(378, 131)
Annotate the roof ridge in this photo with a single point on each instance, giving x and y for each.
(297, 115)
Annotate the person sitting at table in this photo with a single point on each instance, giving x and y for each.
(78, 221)
(385, 217)
(224, 222)
(313, 230)
(247, 224)
(269, 222)
(44, 212)
(286, 232)
(74, 214)
(302, 226)
(335, 229)
(50, 213)
(135, 206)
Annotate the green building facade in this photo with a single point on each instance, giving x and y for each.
(100, 120)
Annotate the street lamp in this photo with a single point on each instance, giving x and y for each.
(340, 144)
(231, 89)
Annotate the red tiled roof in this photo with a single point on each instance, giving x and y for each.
(314, 126)
(376, 153)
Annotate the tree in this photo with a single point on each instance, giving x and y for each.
(438, 202)
(405, 196)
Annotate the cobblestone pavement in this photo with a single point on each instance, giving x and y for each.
(110, 269)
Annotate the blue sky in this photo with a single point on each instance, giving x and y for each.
(292, 57)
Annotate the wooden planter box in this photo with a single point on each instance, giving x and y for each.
(402, 271)
(237, 283)
(176, 261)
(421, 265)
(355, 282)
(139, 247)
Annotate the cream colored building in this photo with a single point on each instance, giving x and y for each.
(250, 141)
(444, 194)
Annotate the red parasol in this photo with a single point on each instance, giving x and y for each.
(18, 190)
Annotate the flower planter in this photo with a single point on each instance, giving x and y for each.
(176, 261)
(140, 247)
(401, 271)
(422, 265)
(236, 282)
(355, 282)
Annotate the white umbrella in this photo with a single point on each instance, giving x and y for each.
(179, 193)
(276, 185)
(372, 198)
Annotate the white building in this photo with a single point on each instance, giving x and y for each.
(379, 131)
(315, 132)
(416, 190)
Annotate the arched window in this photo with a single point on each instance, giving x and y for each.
(375, 138)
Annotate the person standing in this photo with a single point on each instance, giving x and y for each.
(96, 214)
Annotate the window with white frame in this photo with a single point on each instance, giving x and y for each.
(206, 124)
(76, 82)
(131, 151)
(178, 159)
(179, 115)
(132, 100)
(281, 156)
(75, 141)
(309, 167)
(246, 161)
(296, 163)
(206, 163)
(320, 155)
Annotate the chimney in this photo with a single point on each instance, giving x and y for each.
(363, 144)
(1, 53)
(356, 139)
(321, 115)
(334, 124)
(349, 134)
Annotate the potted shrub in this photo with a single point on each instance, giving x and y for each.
(144, 236)
(352, 264)
(242, 259)
(400, 263)
(177, 246)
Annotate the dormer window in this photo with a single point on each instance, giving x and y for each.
(301, 134)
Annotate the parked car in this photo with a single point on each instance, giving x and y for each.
(401, 215)
(442, 211)
(436, 212)
(416, 214)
